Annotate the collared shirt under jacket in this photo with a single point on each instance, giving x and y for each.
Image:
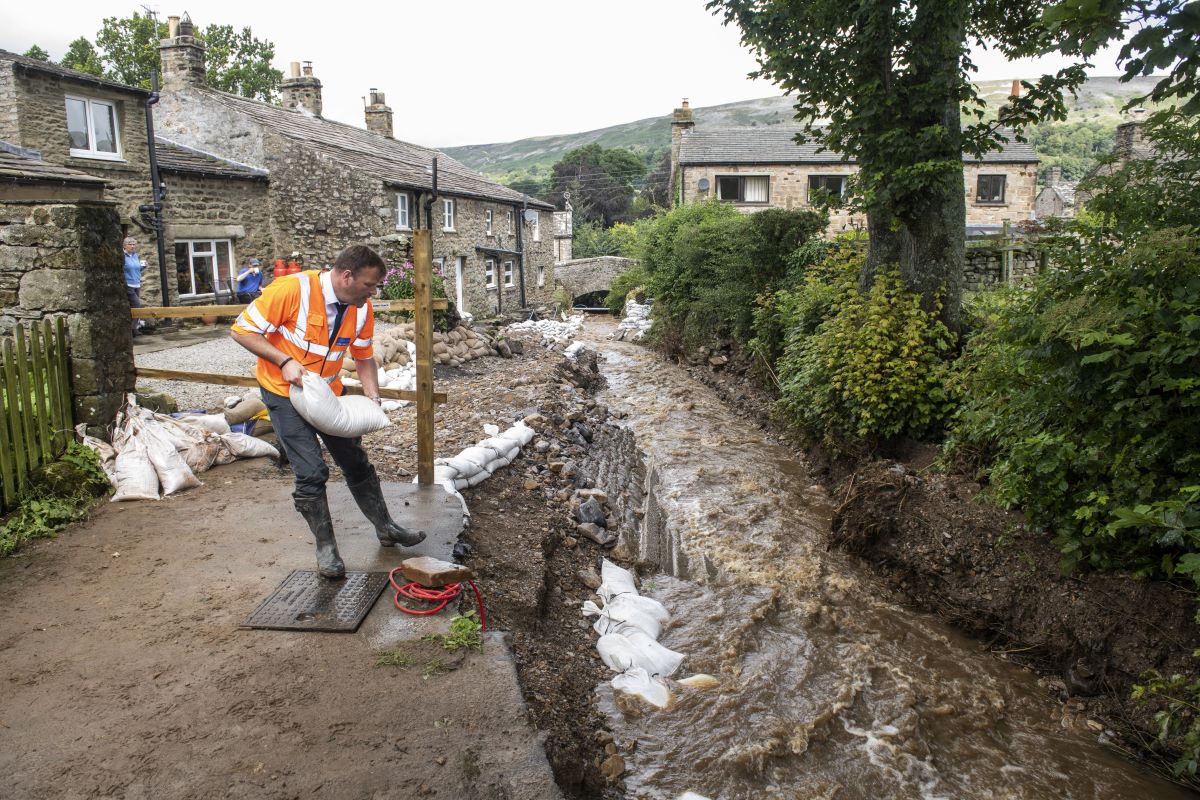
(294, 313)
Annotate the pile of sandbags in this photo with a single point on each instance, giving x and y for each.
(150, 451)
(395, 348)
(629, 626)
(554, 334)
(635, 324)
(476, 464)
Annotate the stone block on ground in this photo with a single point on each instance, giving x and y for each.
(433, 572)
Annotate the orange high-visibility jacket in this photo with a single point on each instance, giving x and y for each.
(291, 314)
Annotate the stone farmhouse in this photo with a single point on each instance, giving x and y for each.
(248, 179)
(764, 167)
(1057, 197)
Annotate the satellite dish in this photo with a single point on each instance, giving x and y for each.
(702, 184)
(531, 215)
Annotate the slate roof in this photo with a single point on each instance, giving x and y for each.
(24, 62)
(776, 144)
(26, 166)
(391, 160)
(175, 157)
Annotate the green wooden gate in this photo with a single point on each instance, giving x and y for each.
(35, 398)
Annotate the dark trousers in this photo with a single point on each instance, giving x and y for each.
(300, 443)
(135, 301)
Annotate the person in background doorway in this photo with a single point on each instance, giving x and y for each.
(249, 281)
(135, 265)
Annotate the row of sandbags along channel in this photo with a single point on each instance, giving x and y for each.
(629, 625)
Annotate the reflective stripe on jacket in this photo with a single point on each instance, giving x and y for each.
(291, 314)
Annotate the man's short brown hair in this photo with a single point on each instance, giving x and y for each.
(358, 257)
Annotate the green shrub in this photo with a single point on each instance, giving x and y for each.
(708, 263)
(1082, 396)
(630, 280)
(874, 369)
(58, 494)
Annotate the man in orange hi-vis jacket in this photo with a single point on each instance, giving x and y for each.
(309, 321)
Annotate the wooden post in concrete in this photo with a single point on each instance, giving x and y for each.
(422, 249)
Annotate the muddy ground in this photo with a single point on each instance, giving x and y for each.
(125, 674)
(944, 549)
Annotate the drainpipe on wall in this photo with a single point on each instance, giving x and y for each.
(521, 251)
(158, 192)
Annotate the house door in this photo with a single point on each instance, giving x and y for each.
(460, 268)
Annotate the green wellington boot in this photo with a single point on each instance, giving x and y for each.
(315, 511)
(369, 496)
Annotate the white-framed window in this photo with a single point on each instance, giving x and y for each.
(92, 128)
(541, 273)
(743, 188)
(487, 222)
(510, 221)
(402, 221)
(204, 267)
(447, 215)
(990, 190)
(536, 224)
(508, 279)
(833, 185)
(489, 273)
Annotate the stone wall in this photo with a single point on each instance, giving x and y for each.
(42, 123)
(789, 189)
(10, 129)
(983, 267)
(64, 260)
(217, 207)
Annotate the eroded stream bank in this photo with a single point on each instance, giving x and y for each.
(828, 688)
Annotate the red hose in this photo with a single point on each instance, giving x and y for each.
(441, 597)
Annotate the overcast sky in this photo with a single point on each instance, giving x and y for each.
(479, 71)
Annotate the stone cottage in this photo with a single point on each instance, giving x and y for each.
(90, 125)
(764, 167)
(1057, 197)
(328, 184)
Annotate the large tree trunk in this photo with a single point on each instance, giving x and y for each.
(928, 247)
(921, 224)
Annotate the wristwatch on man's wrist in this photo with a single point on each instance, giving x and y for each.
(378, 400)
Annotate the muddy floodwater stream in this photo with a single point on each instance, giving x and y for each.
(827, 689)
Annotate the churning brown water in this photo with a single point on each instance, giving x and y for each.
(826, 690)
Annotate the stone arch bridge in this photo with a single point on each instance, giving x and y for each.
(587, 277)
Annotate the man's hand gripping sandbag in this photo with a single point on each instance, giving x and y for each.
(348, 417)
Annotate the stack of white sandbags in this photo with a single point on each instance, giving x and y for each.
(629, 626)
(151, 450)
(395, 348)
(478, 463)
(553, 333)
(636, 323)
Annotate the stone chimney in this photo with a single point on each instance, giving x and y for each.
(301, 92)
(1055, 176)
(682, 122)
(1131, 140)
(182, 55)
(1013, 94)
(379, 116)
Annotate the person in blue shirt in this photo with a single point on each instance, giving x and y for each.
(249, 281)
(134, 266)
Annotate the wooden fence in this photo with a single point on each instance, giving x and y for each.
(35, 401)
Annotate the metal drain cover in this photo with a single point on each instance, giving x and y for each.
(307, 602)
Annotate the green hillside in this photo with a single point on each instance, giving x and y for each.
(1095, 112)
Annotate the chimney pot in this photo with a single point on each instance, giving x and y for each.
(185, 25)
(685, 103)
(1016, 88)
(172, 26)
(294, 69)
(308, 69)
